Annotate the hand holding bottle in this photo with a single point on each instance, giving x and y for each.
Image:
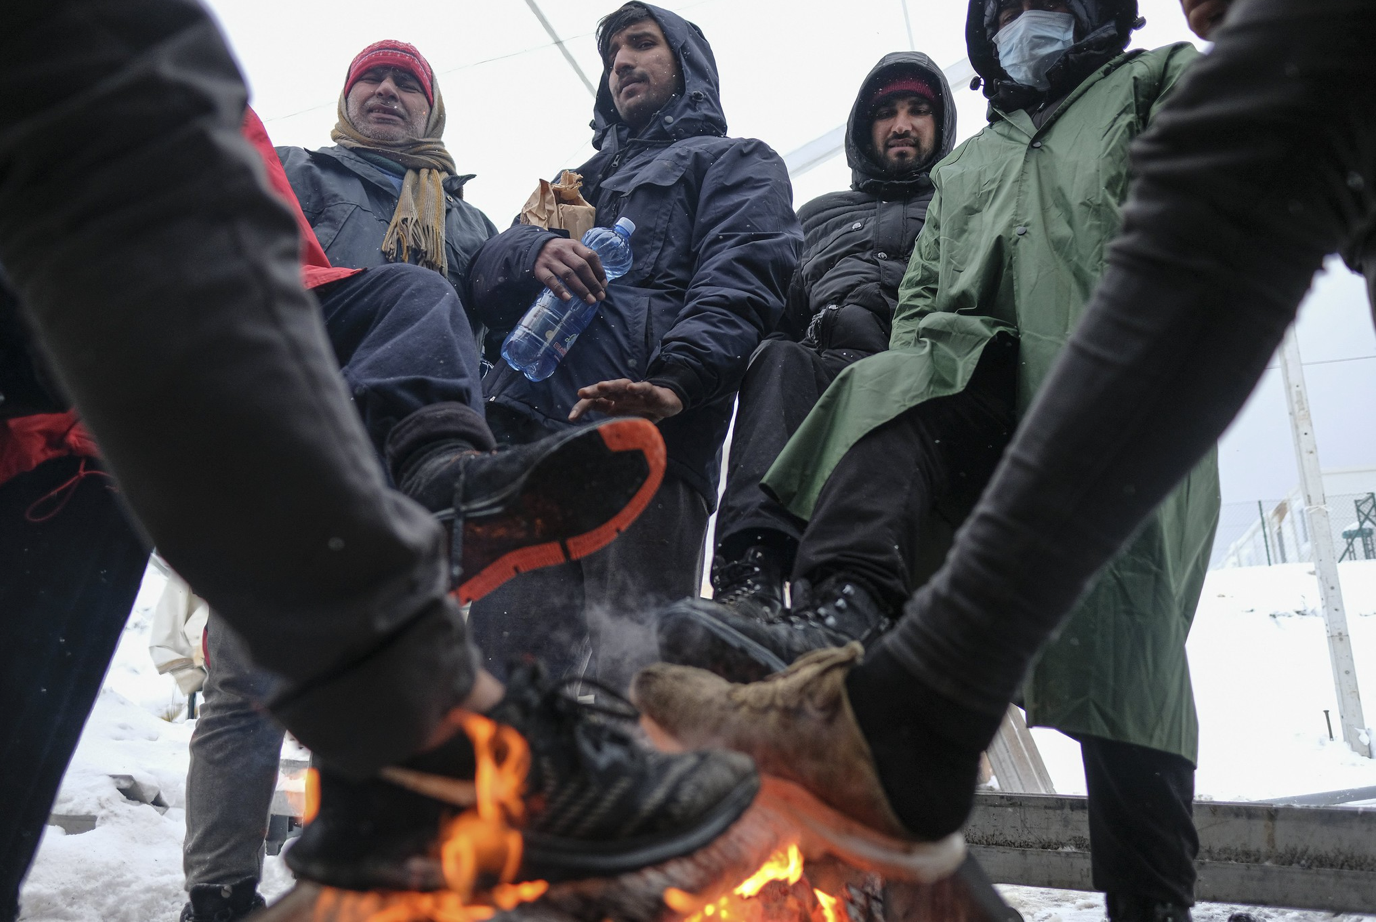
(568, 268)
(543, 337)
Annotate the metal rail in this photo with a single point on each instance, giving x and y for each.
(1296, 857)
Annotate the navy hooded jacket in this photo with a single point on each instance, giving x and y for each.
(715, 245)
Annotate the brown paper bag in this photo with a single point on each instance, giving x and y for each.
(560, 206)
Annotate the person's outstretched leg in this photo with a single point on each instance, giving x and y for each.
(71, 568)
(235, 753)
(162, 279)
(1216, 254)
(404, 342)
(1233, 210)
(857, 560)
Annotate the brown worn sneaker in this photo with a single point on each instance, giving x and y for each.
(799, 728)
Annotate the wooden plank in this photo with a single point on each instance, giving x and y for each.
(1016, 761)
(1259, 854)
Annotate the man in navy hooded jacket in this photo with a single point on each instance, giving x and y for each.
(715, 245)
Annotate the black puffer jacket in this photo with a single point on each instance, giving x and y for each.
(715, 245)
(858, 242)
(349, 201)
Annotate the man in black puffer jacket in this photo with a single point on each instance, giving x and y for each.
(715, 245)
(840, 306)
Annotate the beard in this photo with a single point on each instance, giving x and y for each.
(897, 169)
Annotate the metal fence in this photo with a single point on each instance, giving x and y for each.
(1265, 532)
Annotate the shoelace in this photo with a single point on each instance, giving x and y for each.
(738, 581)
(619, 708)
(810, 618)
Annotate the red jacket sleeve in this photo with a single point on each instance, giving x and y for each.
(315, 266)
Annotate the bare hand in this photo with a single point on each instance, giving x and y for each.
(1204, 15)
(624, 397)
(568, 268)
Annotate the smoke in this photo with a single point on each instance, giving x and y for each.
(623, 642)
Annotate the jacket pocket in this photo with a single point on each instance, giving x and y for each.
(652, 196)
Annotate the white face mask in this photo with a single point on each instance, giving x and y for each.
(1032, 43)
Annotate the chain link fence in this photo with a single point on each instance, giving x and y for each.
(1266, 532)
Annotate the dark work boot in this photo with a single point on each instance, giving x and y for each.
(557, 499)
(751, 585)
(1123, 907)
(594, 802)
(742, 648)
(223, 902)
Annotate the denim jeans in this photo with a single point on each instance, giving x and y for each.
(235, 752)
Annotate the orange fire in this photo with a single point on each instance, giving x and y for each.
(745, 904)
(481, 850)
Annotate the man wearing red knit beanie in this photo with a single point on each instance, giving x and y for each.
(389, 169)
(386, 193)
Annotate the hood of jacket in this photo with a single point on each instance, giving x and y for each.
(866, 170)
(695, 111)
(1104, 28)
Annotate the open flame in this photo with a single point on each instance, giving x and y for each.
(481, 848)
(745, 904)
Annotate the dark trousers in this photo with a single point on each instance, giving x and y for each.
(403, 342)
(782, 384)
(67, 583)
(588, 616)
(1232, 212)
(163, 280)
(905, 478)
(1142, 840)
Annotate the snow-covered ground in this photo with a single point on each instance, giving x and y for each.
(1261, 675)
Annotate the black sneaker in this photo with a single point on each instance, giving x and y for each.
(752, 585)
(597, 802)
(742, 648)
(223, 903)
(1123, 907)
(535, 505)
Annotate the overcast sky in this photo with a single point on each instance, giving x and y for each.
(789, 73)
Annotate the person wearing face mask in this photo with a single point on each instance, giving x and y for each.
(1015, 239)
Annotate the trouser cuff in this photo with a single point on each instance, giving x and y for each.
(440, 422)
(392, 697)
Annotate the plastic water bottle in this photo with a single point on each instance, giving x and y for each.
(543, 337)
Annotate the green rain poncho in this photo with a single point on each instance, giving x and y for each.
(1014, 242)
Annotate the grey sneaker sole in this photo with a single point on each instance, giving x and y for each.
(831, 831)
(543, 857)
(554, 859)
(825, 830)
(690, 634)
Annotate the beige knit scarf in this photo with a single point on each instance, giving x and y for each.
(418, 223)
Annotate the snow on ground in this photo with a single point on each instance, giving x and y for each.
(1261, 677)
(129, 868)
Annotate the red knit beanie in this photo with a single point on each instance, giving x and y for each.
(390, 53)
(906, 85)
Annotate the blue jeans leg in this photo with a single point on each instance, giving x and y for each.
(235, 752)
